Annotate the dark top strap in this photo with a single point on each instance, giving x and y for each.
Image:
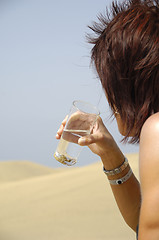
(137, 229)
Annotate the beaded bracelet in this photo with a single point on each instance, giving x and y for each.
(116, 170)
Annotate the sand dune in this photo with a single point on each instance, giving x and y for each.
(73, 204)
(18, 170)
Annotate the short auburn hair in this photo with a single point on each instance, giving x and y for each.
(126, 58)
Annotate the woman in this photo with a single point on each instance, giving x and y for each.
(126, 58)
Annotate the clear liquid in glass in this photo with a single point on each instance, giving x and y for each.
(67, 152)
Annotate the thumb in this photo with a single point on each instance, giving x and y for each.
(87, 140)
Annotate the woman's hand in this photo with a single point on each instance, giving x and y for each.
(99, 141)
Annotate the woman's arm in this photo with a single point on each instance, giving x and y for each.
(127, 195)
(149, 176)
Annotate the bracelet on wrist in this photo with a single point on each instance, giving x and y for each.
(117, 170)
(121, 180)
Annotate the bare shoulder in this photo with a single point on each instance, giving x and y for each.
(151, 126)
(149, 172)
(149, 150)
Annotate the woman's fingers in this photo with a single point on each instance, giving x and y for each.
(97, 137)
(87, 140)
(64, 121)
(60, 130)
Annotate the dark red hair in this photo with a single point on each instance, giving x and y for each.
(126, 58)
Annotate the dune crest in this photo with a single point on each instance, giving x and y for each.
(19, 170)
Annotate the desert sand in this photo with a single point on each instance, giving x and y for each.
(40, 203)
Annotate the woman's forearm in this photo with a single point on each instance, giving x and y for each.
(128, 199)
(127, 194)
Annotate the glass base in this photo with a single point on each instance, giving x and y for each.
(64, 159)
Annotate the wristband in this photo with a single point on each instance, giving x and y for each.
(116, 170)
(121, 180)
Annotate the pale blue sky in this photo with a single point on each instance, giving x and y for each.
(45, 65)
